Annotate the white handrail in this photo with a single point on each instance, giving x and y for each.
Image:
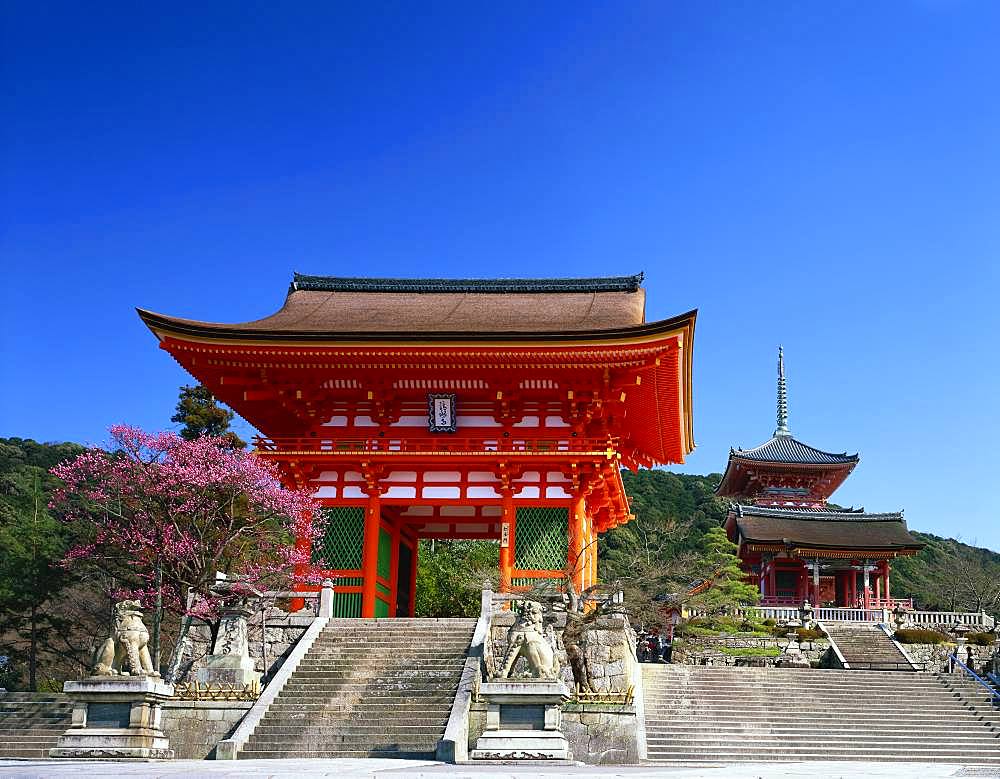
(454, 745)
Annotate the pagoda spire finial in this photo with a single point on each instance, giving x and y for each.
(782, 428)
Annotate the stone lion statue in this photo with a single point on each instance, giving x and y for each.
(526, 638)
(128, 640)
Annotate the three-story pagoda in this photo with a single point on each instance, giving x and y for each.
(792, 543)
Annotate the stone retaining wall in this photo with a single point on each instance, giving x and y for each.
(195, 727)
(709, 651)
(936, 655)
(282, 630)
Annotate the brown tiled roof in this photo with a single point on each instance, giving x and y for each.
(823, 529)
(342, 309)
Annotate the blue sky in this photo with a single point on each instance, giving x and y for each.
(822, 175)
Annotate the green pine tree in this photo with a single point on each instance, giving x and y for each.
(200, 414)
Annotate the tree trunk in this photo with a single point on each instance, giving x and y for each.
(177, 656)
(33, 651)
(158, 615)
(573, 635)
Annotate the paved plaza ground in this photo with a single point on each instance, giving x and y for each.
(391, 769)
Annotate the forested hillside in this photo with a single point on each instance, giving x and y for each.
(48, 617)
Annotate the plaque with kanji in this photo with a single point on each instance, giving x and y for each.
(441, 412)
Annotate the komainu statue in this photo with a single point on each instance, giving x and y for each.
(526, 638)
(128, 640)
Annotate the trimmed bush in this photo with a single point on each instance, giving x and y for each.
(804, 634)
(918, 636)
(981, 639)
(751, 651)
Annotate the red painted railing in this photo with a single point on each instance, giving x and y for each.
(438, 443)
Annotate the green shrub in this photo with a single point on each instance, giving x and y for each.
(804, 634)
(981, 639)
(719, 625)
(769, 623)
(918, 636)
(751, 651)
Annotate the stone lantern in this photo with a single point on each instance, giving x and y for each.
(960, 630)
(899, 615)
(806, 614)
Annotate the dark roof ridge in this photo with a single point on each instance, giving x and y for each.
(305, 282)
(783, 444)
(852, 515)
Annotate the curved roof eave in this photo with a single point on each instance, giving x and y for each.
(161, 324)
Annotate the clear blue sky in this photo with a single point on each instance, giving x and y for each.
(822, 175)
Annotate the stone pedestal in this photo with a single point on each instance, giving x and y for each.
(230, 662)
(523, 721)
(116, 717)
(792, 656)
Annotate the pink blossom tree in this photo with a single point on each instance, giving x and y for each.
(161, 515)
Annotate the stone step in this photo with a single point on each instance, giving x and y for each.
(394, 740)
(762, 692)
(767, 728)
(797, 689)
(307, 710)
(368, 688)
(46, 697)
(820, 740)
(759, 724)
(679, 757)
(10, 752)
(428, 754)
(348, 728)
(738, 713)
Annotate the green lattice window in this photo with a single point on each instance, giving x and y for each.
(384, 567)
(541, 538)
(341, 545)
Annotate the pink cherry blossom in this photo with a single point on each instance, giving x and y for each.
(188, 508)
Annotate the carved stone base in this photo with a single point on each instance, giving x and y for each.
(522, 745)
(523, 721)
(229, 669)
(116, 717)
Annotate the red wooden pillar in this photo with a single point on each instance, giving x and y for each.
(576, 559)
(771, 584)
(369, 553)
(508, 528)
(885, 575)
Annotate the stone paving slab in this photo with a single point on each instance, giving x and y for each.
(404, 769)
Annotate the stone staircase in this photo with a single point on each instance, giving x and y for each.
(716, 714)
(31, 723)
(368, 688)
(866, 647)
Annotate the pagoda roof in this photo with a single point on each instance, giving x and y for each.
(828, 529)
(339, 308)
(784, 448)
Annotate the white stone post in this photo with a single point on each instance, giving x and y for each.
(326, 599)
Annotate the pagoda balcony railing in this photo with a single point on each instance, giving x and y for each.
(873, 602)
(440, 443)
